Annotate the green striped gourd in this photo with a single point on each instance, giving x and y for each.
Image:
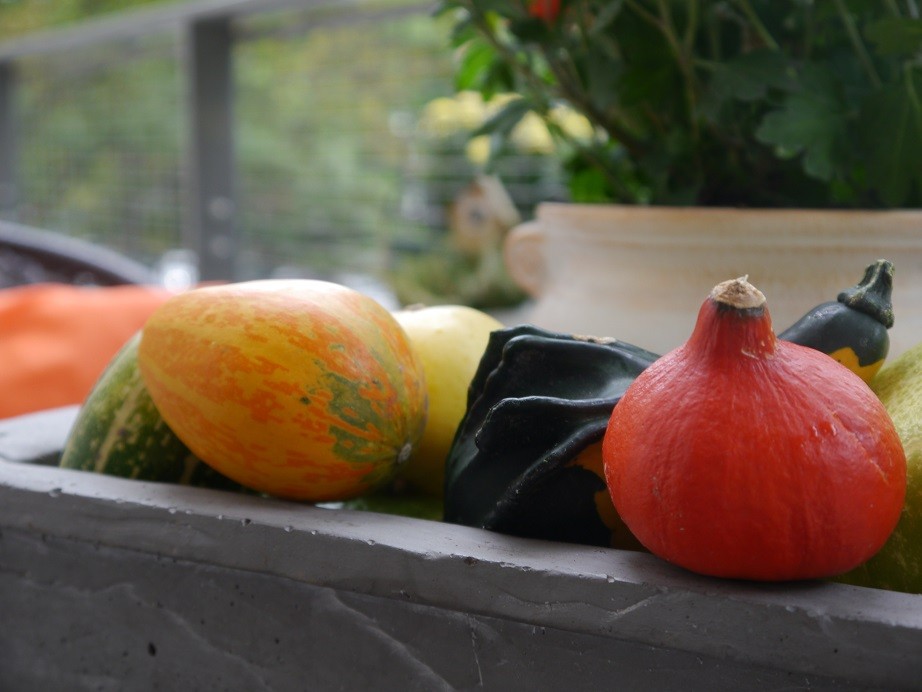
(119, 432)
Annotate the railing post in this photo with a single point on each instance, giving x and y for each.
(8, 147)
(211, 206)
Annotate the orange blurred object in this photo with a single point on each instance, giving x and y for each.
(56, 339)
(544, 9)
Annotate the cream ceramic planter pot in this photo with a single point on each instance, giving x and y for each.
(640, 274)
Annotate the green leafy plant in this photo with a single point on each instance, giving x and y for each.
(774, 103)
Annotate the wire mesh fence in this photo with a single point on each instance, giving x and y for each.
(342, 93)
(338, 169)
(100, 145)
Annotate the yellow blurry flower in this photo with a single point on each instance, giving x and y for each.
(478, 150)
(531, 135)
(575, 125)
(471, 109)
(494, 105)
(440, 118)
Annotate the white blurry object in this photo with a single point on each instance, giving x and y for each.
(177, 270)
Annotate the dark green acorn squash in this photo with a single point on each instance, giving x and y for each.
(539, 400)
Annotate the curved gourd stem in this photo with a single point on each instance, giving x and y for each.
(872, 295)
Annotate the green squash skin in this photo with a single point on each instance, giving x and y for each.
(119, 432)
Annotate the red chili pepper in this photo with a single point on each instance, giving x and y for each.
(544, 9)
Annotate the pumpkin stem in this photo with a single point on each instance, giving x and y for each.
(738, 294)
(733, 321)
(873, 294)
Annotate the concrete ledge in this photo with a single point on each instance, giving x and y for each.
(114, 584)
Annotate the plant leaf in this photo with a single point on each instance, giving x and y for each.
(606, 16)
(588, 185)
(810, 122)
(891, 125)
(503, 7)
(529, 30)
(462, 32)
(505, 119)
(602, 75)
(476, 59)
(896, 36)
(750, 76)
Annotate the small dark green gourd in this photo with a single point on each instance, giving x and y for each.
(526, 457)
(853, 328)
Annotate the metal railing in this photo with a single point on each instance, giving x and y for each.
(208, 32)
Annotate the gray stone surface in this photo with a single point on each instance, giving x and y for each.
(36, 438)
(113, 584)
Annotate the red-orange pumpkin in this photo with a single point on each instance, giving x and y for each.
(302, 389)
(741, 455)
